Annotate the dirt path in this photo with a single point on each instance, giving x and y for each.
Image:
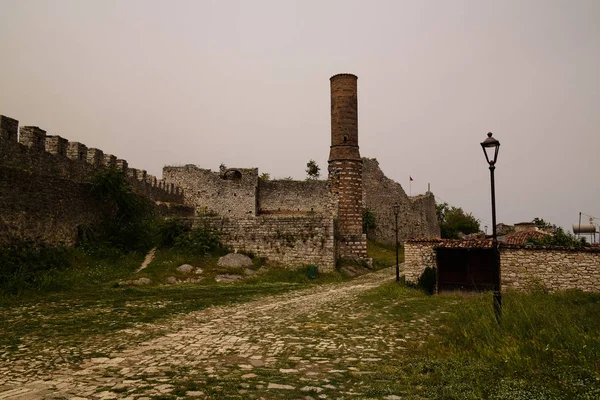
(304, 342)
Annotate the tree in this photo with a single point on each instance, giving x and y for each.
(265, 176)
(541, 223)
(312, 170)
(454, 220)
(368, 220)
(560, 238)
(222, 168)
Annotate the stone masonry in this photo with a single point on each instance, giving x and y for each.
(345, 166)
(45, 194)
(522, 267)
(44, 190)
(551, 267)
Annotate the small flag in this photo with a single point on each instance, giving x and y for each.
(411, 179)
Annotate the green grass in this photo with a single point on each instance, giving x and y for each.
(84, 302)
(384, 255)
(547, 347)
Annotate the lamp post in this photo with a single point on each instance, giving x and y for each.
(490, 149)
(396, 210)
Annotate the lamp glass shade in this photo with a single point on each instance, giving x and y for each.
(396, 208)
(490, 149)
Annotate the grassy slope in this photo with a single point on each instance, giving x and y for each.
(548, 346)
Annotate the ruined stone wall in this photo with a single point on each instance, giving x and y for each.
(417, 217)
(418, 255)
(553, 268)
(291, 241)
(232, 194)
(290, 197)
(44, 192)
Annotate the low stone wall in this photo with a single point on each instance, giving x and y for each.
(553, 268)
(522, 267)
(418, 255)
(291, 241)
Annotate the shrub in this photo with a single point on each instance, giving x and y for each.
(199, 240)
(368, 220)
(128, 223)
(427, 280)
(26, 265)
(169, 230)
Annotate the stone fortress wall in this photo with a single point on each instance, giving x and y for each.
(44, 194)
(417, 216)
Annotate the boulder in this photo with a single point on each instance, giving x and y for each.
(228, 278)
(171, 280)
(234, 260)
(185, 268)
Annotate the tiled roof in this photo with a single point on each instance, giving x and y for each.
(465, 244)
(520, 238)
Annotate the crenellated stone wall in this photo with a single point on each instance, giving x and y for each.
(417, 217)
(44, 189)
(289, 241)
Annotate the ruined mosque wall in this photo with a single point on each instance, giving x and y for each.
(294, 197)
(417, 217)
(230, 194)
(44, 192)
(290, 241)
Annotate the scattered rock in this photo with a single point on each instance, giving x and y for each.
(257, 363)
(142, 281)
(194, 280)
(172, 280)
(185, 268)
(312, 389)
(137, 282)
(228, 278)
(198, 271)
(278, 386)
(249, 272)
(234, 260)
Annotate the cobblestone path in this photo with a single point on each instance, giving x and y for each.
(309, 344)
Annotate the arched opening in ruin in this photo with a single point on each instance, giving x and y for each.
(232, 175)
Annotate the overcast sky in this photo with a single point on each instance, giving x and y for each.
(246, 83)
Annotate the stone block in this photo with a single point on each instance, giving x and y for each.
(9, 128)
(57, 145)
(33, 137)
(95, 157)
(77, 151)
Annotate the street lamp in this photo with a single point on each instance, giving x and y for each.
(490, 149)
(396, 210)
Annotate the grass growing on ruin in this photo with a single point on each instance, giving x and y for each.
(547, 347)
(384, 255)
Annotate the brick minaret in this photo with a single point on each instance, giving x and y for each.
(345, 166)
